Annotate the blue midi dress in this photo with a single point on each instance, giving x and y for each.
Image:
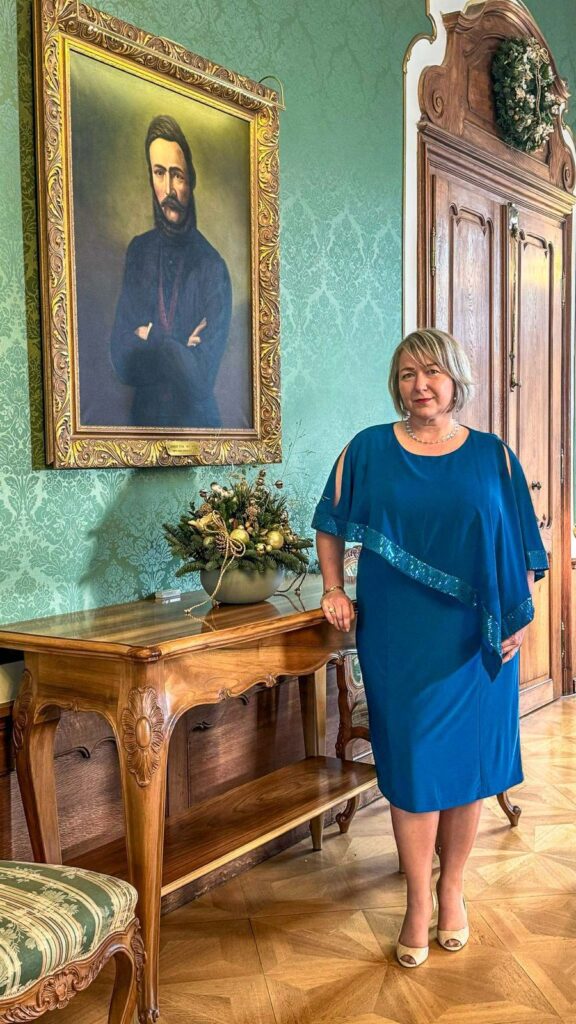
(446, 542)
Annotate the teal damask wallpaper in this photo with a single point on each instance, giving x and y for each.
(70, 540)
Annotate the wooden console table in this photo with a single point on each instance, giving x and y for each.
(142, 665)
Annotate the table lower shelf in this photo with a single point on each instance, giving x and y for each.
(216, 831)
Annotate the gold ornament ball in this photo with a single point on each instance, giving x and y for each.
(275, 539)
(268, 547)
(208, 542)
(240, 534)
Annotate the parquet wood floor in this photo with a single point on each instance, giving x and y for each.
(308, 938)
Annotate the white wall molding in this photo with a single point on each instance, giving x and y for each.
(424, 51)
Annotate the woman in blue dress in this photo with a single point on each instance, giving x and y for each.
(450, 552)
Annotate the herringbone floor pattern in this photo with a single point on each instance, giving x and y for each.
(308, 938)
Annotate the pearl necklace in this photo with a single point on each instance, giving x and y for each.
(447, 437)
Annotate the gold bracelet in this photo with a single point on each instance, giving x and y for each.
(338, 586)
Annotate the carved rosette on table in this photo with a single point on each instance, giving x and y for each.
(21, 710)
(70, 444)
(143, 733)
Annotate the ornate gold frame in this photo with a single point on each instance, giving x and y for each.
(58, 24)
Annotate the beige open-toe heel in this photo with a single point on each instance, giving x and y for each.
(457, 938)
(413, 956)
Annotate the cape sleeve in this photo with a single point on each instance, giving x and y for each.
(534, 552)
(345, 517)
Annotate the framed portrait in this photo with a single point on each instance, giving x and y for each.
(158, 213)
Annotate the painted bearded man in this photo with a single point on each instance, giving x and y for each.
(173, 315)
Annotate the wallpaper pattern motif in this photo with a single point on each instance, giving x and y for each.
(71, 540)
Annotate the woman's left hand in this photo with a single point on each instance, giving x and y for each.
(512, 644)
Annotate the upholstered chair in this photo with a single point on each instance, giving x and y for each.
(58, 927)
(354, 711)
(352, 707)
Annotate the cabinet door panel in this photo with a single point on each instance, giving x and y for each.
(534, 414)
(501, 297)
(466, 288)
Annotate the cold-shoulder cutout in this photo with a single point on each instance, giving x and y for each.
(338, 477)
(343, 500)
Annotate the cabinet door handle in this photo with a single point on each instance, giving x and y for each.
(536, 485)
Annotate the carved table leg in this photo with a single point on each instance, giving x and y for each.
(34, 749)
(142, 751)
(313, 705)
(512, 811)
(345, 817)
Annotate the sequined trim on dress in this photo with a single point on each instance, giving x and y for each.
(429, 576)
(521, 616)
(537, 560)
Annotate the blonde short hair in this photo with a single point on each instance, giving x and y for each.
(431, 346)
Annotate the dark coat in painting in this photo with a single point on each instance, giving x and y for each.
(173, 283)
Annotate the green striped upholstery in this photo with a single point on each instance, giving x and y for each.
(359, 710)
(360, 715)
(51, 916)
(356, 671)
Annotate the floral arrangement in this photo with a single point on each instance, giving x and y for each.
(245, 524)
(525, 103)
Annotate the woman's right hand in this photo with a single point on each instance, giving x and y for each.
(339, 610)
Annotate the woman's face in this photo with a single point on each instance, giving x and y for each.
(426, 391)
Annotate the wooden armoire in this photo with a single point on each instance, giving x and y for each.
(494, 262)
